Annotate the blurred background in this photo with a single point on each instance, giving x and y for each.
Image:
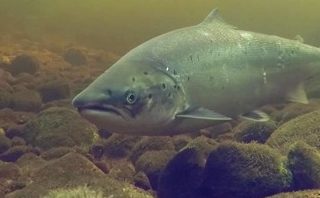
(119, 25)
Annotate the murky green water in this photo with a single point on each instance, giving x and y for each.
(119, 25)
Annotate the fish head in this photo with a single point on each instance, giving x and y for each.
(132, 97)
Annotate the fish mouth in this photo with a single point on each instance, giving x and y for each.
(101, 108)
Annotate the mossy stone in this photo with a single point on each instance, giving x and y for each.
(245, 170)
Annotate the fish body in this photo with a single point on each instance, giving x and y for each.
(197, 76)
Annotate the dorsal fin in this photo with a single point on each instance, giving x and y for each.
(215, 18)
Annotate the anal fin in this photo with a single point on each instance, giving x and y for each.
(298, 95)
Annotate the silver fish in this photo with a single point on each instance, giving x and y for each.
(198, 76)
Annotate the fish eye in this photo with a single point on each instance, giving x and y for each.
(131, 97)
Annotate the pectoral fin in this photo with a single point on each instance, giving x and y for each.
(257, 116)
(203, 114)
(298, 95)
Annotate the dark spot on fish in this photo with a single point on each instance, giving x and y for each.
(188, 78)
(191, 58)
(145, 73)
(163, 86)
(169, 94)
(174, 72)
(211, 78)
(133, 79)
(178, 87)
(150, 96)
(109, 92)
(292, 52)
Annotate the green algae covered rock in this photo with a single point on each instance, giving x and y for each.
(249, 131)
(59, 127)
(183, 175)
(304, 163)
(298, 194)
(81, 191)
(303, 128)
(71, 172)
(245, 170)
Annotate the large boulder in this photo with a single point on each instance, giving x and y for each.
(245, 170)
(59, 127)
(75, 171)
(183, 175)
(303, 128)
(304, 163)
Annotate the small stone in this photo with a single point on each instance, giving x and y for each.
(152, 163)
(181, 141)
(26, 100)
(141, 180)
(54, 90)
(104, 133)
(249, 131)
(14, 131)
(5, 143)
(55, 153)
(18, 141)
(24, 63)
(120, 145)
(97, 151)
(151, 144)
(14, 153)
(102, 166)
(75, 57)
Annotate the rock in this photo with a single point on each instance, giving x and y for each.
(293, 110)
(97, 151)
(122, 170)
(29, 163)
(245, 170)
(152, 163)
(249, 131)
(119, 146)
(151, 144)
(203, 144)
(71, 171)
(102, 166)
(54, 90)
(303, 128)
(75, 56)
(304, 163)
(298, 194)
(5, 143)
(15, 131)
(104, 133)
(5, 98)
(183, 175)
(18, 141)
(24, 63)
(80, 192)
(181, 141)
(26, 100)
(9, 173)
(141, 180)
(13, 119)
(56, 127)
(57, 152)
(217, 130)
(14, 153)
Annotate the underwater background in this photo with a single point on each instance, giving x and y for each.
(51, 50)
